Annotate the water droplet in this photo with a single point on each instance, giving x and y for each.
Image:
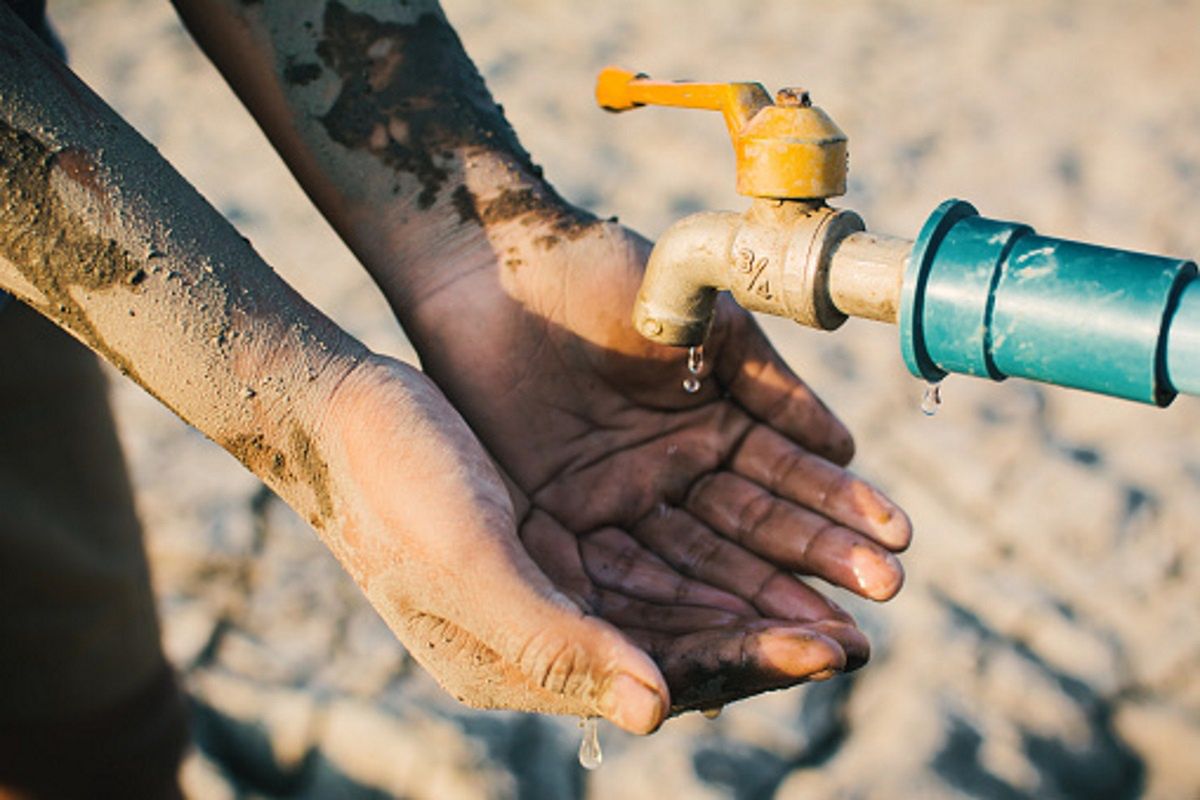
(695, 363)
(712, 713)
(590, 756)
(932, 399)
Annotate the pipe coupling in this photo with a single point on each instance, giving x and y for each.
(774, 258)
(781, 255)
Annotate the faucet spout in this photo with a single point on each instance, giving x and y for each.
(774, 258)
(689, 265)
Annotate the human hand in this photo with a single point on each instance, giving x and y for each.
(427, 527)
(680, 519)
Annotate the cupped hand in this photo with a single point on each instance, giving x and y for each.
(426, 525)
(683, 520)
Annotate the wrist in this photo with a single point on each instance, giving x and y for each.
(494, 207)
(388, 126)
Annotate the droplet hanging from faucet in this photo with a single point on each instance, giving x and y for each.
(695, 363)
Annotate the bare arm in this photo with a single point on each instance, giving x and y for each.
(98, 233)
(681, 519)
(388, 126)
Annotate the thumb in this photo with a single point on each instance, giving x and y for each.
(582, 660)
(590, 664)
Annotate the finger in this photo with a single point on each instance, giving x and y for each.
(578, 661)
(630, 612)
(854, 642)
(714, 667)
(614, 559)
(795, 538)
(556, 551)
(779, 465)
(763, 384)
(694, 549)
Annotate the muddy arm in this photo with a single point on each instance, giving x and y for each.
(386, 123)
(98, 233)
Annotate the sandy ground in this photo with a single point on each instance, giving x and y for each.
(1047, 643)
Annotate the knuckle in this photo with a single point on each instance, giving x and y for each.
(808, 545)
(555, 664)
(788, 467)
(698, 555)
(681, 591)
(838, 484)
(430, 629)
(608, 561)
(624, 563)
(754, 513)
(792, 399)
(701, 489)
(430, 634)
(766, 586)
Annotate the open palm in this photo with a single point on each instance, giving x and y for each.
(682, 519)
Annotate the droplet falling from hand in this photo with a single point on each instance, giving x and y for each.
(590, 756)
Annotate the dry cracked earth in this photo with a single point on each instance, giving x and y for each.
(1047, 643)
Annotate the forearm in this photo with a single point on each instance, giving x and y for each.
(389, 128)
(98, 233)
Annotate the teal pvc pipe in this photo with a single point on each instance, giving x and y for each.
(1183, 342)
(995, 299)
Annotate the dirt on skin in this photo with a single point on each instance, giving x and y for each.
(47, 243)
(408, 98)
(301, 463)
(106, 241)
(56, 251)
(311, 469)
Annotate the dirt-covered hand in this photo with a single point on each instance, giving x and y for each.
(427, 527)
(682, 519)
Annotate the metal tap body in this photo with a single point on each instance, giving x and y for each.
(971, 295)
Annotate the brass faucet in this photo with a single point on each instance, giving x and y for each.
(971, 295)
(789, 254)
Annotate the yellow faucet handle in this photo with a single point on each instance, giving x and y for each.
(620, 90)
(785, 150)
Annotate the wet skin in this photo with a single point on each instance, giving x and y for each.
(679, 518)
(682, 520)
(616, 546)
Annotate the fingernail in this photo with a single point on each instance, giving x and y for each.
(879, 575)
(883, 513)
(900, 530)
(800, 653)
(633, 705)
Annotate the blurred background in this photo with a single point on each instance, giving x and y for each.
(1047, 643)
